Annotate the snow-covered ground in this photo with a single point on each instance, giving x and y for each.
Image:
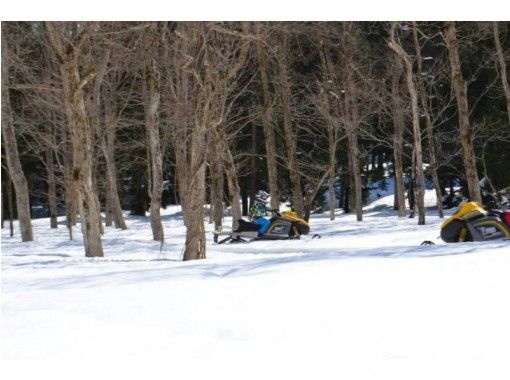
(365, 301)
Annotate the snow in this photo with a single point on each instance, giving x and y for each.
(365, 301)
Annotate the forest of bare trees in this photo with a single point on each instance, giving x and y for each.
(104, 118)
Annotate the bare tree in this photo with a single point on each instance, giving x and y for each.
(68, 53)
(428, 121)
(216, 174)
(352, 113)
(152, 97)
(11, 149)
(398, 137)
(52, 188)
(271, 157)
(466, 137)
(104, 122)
(411, 86)
(329, 106)
(289, 129)
(107, 141)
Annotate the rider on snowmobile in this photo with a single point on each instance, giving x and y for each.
(259, 210)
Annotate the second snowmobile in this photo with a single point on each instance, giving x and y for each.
(285, 225)
(472, 223)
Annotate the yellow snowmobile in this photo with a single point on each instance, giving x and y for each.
(472, 223)
(286, 225)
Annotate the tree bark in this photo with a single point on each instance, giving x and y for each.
(419, 180)
(108, 147)
(331, 125)
(345, 191)
(466, 137)
(195, 247)
(398, 141)
(352, 126)
(289, 134)
(332, 145)
(71, 198)
(108, 206)
(156, 162)
(253, 164)
(267, 126)
(11, 152)
(502, 67)
(232, 181)
(105, 133)
(217, 187)
(10, 205)
(332, 197)
(52, 189)
(189, 137)
(68, 57)
(93, 107)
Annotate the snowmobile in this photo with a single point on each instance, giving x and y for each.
(472, 223)
(285, 225)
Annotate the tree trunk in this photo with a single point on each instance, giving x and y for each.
(2, 211)
(429, 127)
(71, 198)
(271, 160)
(106, 136)
(502, 67)
(345, 190)
(419, 180)
(10, 205)
(217, 182)
(331, 125)
(352, 124)
(412, 193)
(434, 165)
(253, 164)
(332, 145)
(289, 133)
(81, 139)
(217, 188)
(190, 147)
(52, 189)
(108, 206)
(82, 161)
(108, 147)
(332, 197)
(352, 139)
(11, 153)
(419, 177)
(466, 137)
(195, 247)
(398, 142)
(156, 162)
(233, 182)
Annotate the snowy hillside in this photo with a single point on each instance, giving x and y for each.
(365, 301)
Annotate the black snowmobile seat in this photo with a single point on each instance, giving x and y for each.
(247, 226)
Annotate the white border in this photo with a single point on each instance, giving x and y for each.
(255, 10)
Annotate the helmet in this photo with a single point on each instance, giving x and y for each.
(261, 196)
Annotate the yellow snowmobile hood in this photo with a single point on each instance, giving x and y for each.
(467, 211)
(291, 215)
